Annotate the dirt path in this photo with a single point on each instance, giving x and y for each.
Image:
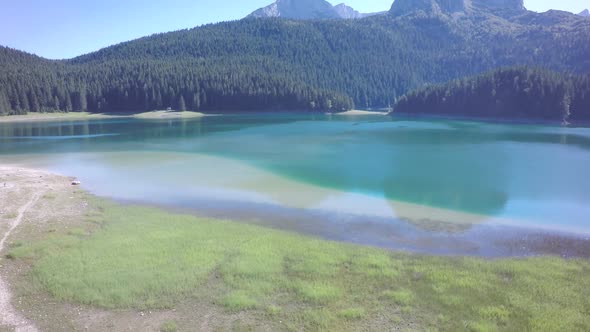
(8, 315)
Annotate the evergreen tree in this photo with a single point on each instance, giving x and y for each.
(82, 100)
(5, 107)
(196, 102)
(68, 103)
(181, 104)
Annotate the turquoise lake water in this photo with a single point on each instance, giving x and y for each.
(374, 166)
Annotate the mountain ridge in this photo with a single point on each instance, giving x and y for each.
(308, 10)
(452, 7)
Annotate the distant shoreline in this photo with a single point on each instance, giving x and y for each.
(153, 115)
(498, 120)
(32, 117)
(165, 114)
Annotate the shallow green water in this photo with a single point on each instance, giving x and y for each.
(535, 176)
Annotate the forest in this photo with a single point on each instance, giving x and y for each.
(283, 65)
(508, 93)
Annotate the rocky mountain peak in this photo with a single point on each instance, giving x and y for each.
(307, 9)
(345, 11)
(404, 7)
(297, 9)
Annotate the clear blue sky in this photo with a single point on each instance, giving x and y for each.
(65, 28)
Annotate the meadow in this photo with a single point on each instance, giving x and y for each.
(131, 257)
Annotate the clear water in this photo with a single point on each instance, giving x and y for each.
(414, 171)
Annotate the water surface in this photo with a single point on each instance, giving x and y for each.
(339, 177)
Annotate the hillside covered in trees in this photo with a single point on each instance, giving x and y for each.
(511, 93)
(276, 64)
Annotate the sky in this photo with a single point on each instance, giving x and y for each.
(60, 29)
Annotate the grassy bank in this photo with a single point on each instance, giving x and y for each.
(144, 258)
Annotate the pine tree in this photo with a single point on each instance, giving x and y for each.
(23, 101)
(35, 106)
(56, 103)
(196, 102)
(4, 104)
(68, 103)
(181, 104)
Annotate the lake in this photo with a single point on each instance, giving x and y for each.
(429, 185)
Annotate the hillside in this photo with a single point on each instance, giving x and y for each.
(279, 64)
(514, 93)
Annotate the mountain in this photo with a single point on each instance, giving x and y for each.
(307, 9)
(585, 12)
(453, 7)
(318, 65)
(513, 93)
(346, 12)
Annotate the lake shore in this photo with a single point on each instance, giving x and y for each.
(327, 284)
(77, 116)
(493, 120)
(359, 112)
(151, 115)
(253, 195)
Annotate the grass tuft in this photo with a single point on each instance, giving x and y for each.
(318, 292)
(168, 326)
(237, 301)
(481, 326)
(273, 310)
(352, 313)
(498, 314)
(400, 297)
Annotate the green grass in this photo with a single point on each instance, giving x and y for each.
(352, 313)
(168, 326)
(239, 300)
(145, 258)
(402, 297)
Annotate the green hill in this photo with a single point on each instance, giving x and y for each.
(276, 64)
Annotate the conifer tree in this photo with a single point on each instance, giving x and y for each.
(181, 104)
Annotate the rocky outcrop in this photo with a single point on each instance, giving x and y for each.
(585, 12)
(297, 9)
(517, 5)
(347, 12)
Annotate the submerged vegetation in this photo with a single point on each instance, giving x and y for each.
(144, 258)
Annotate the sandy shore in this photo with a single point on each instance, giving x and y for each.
(95, 116)
(359, 112)
(21, 189)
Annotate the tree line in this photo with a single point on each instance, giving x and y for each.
(135, 86)
(509, 93)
